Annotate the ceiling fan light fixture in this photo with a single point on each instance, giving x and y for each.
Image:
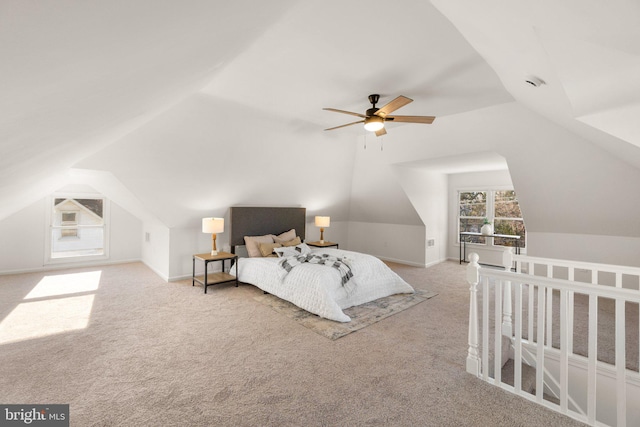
(373, 123)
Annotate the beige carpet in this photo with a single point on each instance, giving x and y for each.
(124, 348)
(361, 315)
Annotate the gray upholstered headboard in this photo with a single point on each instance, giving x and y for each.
(258, 221)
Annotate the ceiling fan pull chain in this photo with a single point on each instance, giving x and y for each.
(381, 144)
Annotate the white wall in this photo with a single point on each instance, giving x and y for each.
(155, 248)
(585, 247)
(204, 155)
(428, 193)
(392, 242)
(199, 158)
(24, 233)
(125, 230)
(382, 220)
(23, 239)
(565, 183)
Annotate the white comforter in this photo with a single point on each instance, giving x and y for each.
(317, 288)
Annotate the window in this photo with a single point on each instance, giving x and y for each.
(500, 207)
(77, 227)
(507, 218)
(472, 212)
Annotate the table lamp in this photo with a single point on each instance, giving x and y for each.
(322, 221)
(213, 226)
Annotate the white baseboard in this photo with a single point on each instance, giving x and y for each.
(177, 278)
(162, 276)
(55, 267)
(411, 263)
(199, 272)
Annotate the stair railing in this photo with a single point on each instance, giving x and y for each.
(597, 274)
(538, 343)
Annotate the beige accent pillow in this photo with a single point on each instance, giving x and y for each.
(292, 242)
(266, 249)
(252, 243)
(286, 236)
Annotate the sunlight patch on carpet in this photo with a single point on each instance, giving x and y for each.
(52, 307)
(361, 316)
(37, 319)
(65, 284)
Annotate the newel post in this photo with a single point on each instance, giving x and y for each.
(507, 313)
(473, 277)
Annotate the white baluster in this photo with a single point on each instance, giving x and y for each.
(517, 357)
(531, 317)
(485, 328)
(593, 349)
(621, 388)
(497, 338)
(507, 314)
(549, 310)
(540, 345)
(473, 277)
(564, 353)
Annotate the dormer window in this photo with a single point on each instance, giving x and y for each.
(77, 228)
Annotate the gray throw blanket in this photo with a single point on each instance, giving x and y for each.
(288, 263)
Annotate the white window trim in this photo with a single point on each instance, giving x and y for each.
(490, 214)
(106, 216)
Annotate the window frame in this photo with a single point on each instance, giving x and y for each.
(480, 240)
(490, 215)
(106, 212)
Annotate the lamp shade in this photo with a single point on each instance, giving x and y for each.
(373, 123)
(212, 225)
(323, 221)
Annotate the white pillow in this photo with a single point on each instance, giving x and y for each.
(301, 249)
(253, 242)
(286, 236)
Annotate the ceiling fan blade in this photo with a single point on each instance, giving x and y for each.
(411, 119)
(348, 124)
(392, 106)
(381, 132)
(345, 112)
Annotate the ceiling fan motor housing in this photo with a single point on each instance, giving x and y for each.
(371, 112)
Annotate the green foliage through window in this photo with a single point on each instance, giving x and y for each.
(500, 207)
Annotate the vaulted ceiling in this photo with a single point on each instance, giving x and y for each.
(169, 94)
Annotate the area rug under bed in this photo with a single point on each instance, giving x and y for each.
(361, 315)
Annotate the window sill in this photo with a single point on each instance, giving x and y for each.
(76, 259)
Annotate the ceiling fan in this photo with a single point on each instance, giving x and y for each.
(374, 118)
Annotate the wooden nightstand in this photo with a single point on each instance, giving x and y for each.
(325, 244)
(214, 278)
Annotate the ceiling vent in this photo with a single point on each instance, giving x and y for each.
(534, 81)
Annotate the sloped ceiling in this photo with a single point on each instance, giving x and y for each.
(586, 51)
(180, 99)
(92, 85)
(77, 76)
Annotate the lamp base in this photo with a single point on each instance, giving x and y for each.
(214, 249)
(322, 241)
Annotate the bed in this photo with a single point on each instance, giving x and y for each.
(324, 290)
